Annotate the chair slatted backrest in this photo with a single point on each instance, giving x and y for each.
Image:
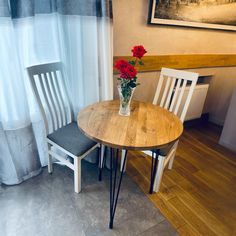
(171, 90)
(48, 84)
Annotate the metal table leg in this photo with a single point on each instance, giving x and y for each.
(114, 194)
(153, 169)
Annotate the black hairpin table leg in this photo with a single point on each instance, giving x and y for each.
(153, 169)
(114, 194)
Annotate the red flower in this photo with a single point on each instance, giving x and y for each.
(138, 51)
(128, 73)
(121, 65)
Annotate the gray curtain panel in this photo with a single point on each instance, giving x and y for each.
(20, 149)
(17, 147)
(26, 8)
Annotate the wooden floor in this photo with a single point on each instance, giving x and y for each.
(198, 196)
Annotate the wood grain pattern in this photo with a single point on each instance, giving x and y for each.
(198, 195)
(147, 127)
(155, 63)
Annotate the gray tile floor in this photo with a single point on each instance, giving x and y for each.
(47, 205)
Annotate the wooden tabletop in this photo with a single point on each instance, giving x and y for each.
(147, 127)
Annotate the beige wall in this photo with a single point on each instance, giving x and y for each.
(130, 28)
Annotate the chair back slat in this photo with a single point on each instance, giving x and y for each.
(51, 102)
(61, 99)
(188, 99)
(175, 95)
(56, 99)
(51, 94)
(171, 87)
(44, 99)
(158, 90)
(180, 93)
(167, 85)
(66, 101)
(168, 100)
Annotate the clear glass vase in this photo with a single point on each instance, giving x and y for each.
(125, 95)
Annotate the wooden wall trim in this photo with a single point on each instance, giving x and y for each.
(155, 63)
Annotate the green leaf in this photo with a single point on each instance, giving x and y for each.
(132, 63)
(141, 63)
(132, 84)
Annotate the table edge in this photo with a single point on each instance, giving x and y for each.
(108, 144)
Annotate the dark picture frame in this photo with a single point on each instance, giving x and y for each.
(188, 13)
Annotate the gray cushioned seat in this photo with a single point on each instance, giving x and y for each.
(72, 139)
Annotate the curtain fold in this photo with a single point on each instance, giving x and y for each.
(76, 32)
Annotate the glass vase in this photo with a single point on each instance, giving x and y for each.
(125, 94)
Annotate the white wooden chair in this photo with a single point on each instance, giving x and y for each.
(63, 134)
(174, 92)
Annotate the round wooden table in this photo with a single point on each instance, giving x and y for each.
(149, 127)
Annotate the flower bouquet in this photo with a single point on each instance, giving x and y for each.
(128, 78)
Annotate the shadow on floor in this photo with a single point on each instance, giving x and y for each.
(47, 206)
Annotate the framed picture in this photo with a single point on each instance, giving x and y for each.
(213, 14)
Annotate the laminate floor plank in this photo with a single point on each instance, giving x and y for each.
(198, 195)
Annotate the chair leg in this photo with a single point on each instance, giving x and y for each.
(159, 173)
(77, 174)
(123, 154)
(171, 161)
(50, 167)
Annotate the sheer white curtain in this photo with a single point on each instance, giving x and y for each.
(83, 43)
